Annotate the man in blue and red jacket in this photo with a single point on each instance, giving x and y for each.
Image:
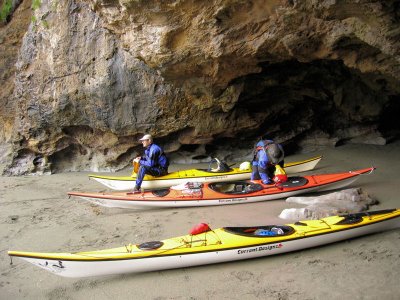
(267, 155)
(154, 161)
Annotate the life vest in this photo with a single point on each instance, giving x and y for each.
(273, 151)
(279, 175)
(262, 145)
(158, 154)
(163, 161)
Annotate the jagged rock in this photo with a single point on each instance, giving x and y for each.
(92, 76)
(11, 35)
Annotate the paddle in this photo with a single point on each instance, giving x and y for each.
(136, 166)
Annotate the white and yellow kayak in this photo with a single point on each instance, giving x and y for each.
(124, 183)
(205, 246)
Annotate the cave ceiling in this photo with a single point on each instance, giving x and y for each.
(205, 78)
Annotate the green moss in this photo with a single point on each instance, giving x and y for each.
(45, 24)
(36, 4)
(5, 10)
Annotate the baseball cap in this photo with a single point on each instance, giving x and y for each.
(146, 137)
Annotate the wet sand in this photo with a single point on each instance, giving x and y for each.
(36, 215)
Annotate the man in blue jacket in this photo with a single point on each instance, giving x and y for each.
(154, 161)
(267, 155)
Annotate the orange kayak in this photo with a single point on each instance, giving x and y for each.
(222, 193)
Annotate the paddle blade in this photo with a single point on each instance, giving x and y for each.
(135, 167)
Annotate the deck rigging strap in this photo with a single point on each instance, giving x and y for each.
(368, 173)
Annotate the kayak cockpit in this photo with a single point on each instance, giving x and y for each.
(216, 171)
(261, 231)
(356, 218)
(238, 187)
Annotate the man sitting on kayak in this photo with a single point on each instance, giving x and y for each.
(267, 155)
(154, 161)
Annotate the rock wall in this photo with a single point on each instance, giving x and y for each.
(206, 78)
(11, 33)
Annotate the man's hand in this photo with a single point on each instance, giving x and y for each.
(136, 160)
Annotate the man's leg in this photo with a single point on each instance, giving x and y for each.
(139, 178)
(264, 174)
(156, 172)
(143, 170)
(271, 171)
(255, 175)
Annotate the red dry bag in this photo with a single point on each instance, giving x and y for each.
(200, 228)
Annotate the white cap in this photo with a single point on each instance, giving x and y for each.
(146, 137)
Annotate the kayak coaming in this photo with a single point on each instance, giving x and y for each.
(209, 197)
(210, 247)
(123, 183)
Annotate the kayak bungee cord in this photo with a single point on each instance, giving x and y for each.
(202, 228)
(368, 173)
(184, 244)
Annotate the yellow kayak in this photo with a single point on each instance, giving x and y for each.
(124, 183)
(206, 246)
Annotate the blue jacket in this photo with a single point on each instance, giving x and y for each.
(154, 157)
(260, 156)
(262, 159)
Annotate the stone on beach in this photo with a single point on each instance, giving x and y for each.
(345, 201)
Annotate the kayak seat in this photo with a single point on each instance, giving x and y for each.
(235, 188)
(221, 167)
(261, 231)
(161, 192)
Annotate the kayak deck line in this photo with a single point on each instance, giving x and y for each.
(372, 169)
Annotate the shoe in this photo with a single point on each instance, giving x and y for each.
(136, 190)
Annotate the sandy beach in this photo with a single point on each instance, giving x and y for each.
(36, 215)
